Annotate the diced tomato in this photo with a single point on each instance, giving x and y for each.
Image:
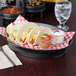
(46, 38)
(49, 36)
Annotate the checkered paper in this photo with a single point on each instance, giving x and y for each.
(69, 36)
(19, 19)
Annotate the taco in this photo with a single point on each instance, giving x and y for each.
(24, 32)
(37, 33)
(12, 30)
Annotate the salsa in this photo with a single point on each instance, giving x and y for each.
(12, 10)
(45, 44)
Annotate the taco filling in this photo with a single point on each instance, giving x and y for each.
(46, 37)
(25, 35)
(13, 34)
(33, 38)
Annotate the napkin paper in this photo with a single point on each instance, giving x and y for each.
(5, 54)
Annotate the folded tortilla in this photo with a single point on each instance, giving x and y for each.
(12, 30)
(36, 34)
(24, 32)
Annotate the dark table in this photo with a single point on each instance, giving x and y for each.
(64, 66)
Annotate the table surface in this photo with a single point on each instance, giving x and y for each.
(64, 66)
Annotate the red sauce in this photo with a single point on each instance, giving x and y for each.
(12, 10)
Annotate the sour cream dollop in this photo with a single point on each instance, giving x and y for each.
(58, 36)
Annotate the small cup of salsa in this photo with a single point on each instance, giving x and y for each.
(11, 10)
(10, 13)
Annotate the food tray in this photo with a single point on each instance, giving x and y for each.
(42, 54)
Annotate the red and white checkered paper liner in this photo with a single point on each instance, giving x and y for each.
(69, 36)
(19, 19)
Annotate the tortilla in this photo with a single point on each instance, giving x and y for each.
(11, 27)
(47, 31)
(36, 33)
(24, 32)
(12, 30)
